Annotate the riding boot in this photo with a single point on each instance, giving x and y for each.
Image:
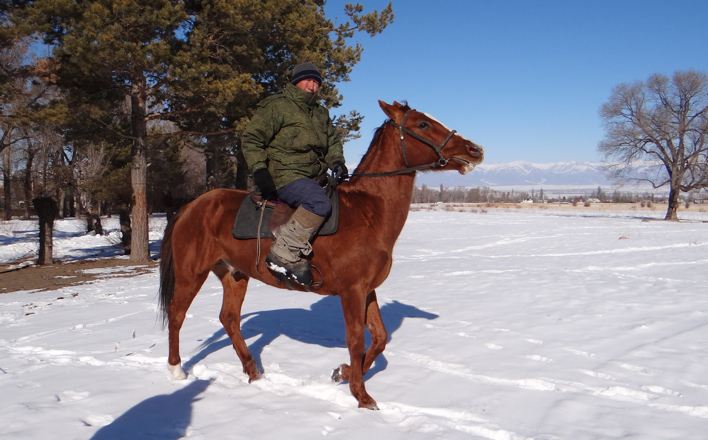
(292, 244)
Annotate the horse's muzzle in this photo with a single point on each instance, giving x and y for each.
(475, 151)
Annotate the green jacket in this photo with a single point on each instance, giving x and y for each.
(292, 136)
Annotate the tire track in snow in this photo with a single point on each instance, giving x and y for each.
(463, 421)
(621, 251)
(39, 335)
(461, 371)
(68, 357)
(404, 417)
(620, 393)
(430, 255)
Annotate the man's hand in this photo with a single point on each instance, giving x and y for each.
(264, 182)
(339, 171)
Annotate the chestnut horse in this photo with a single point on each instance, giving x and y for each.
(373, 205)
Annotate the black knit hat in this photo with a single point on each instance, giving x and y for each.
(306, 71)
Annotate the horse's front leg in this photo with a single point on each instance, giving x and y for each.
(234, 293)
(379, 337)
(354, 309)
(376, 327)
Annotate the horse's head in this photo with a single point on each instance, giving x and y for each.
(424, 140)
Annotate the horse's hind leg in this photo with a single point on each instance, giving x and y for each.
(235, 286)
(185, 290)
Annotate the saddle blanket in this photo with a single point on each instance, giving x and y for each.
(249, 214)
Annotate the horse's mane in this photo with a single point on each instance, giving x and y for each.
(379, 131)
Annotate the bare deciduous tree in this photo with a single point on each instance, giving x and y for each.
(89, 168)
(23, 127)
(656, 132)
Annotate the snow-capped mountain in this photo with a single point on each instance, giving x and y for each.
(520, 173)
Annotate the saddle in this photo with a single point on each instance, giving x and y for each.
(271, 215)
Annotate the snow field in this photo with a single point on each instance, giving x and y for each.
(503, 325)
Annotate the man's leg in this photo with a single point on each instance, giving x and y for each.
(293, 242)
(308, 194)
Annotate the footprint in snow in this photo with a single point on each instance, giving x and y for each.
(72, 396)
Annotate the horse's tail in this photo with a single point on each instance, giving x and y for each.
(167, 271)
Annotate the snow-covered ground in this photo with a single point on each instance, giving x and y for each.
(504, 325)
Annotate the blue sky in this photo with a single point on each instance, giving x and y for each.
(525, 79)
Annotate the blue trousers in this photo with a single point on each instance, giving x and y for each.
(309, 194)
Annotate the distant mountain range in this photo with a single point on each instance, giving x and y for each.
(521, 174)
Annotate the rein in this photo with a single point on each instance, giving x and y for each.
(442, 161)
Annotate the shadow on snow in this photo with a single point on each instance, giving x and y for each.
(322, 324)
(166, 416)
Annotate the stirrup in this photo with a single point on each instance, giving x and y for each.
(300, 275)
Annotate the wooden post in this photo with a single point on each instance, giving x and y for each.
(125, 228)
(97, 224)
(93, 223)
(89, 222)
(47, 210)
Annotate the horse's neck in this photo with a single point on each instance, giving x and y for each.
(391, 194)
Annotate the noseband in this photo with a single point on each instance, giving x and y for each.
(441, 162)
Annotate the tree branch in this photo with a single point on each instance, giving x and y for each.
(189, 133)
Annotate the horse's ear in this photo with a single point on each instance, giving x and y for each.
(393, 111)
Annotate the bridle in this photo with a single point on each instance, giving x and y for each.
(441, 162)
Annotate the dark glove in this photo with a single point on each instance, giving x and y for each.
(339, 171)
(265, 183)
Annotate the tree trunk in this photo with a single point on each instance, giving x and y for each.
(139, 249)
(7, 187)
(212, 160)
(60, 196)
(47, 211)
(242, 180)
(28, 181)
(67, 203)
(71, 201)
(672, 211)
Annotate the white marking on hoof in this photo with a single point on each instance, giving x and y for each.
(337, 375)
(177, 372)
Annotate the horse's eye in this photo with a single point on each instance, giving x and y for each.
(423, 125)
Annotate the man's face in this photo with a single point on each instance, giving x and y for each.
(309, 85)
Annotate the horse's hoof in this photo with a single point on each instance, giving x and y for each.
(371, 406)
(341, 373)
(337, 375)
(255, 378)
(177, 372)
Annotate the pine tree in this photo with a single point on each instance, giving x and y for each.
(127, 65)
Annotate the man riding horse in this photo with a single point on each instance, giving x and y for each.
(288, 145)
